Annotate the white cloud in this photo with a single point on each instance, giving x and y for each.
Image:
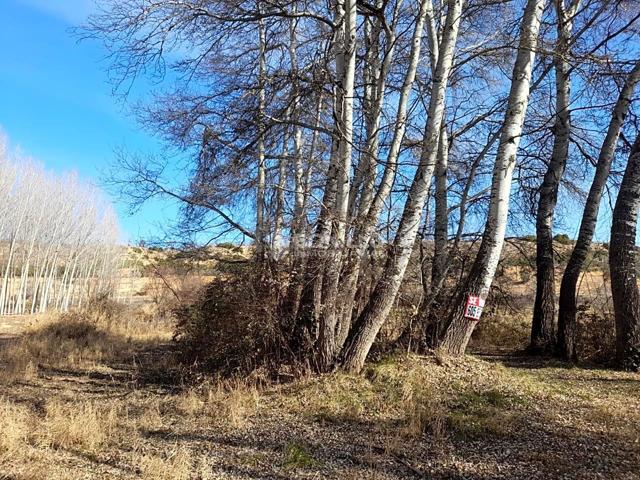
(73, 12)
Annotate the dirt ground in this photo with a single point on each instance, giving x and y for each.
(12, 326)
(92, 416)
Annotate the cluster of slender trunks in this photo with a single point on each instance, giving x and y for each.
(58, 241)
(347, 120)
(334, 312)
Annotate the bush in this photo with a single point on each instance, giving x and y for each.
(297, 456)
(104, 308)
(563, 239)
(502, 332)
(231, 329)
(595, 335)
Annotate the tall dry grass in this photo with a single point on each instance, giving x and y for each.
(16, 426)
(84, 425)
(227, 403)
(79, 340)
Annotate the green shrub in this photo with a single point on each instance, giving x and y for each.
(297, 456)
(481, 415)
(563, 239)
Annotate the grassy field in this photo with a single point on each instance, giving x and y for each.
(104, 399)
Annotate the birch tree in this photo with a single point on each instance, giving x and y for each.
(261, 176)
(315, 128)
(371, 209)
(369, 323)
(458, 332)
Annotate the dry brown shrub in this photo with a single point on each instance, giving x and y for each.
(595, 335)
(232, 329)
(168, 288)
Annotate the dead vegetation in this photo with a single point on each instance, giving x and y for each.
(109, 393)
(75, 405)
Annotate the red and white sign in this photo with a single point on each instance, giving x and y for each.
(473, 307)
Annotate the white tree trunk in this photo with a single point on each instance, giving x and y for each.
(459, 330)
(371, 213)
(327, 327)
(375, 313)
(260, 232)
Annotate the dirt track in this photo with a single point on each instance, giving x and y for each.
(13, 325)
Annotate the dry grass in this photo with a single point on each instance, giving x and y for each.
(176, 464)
(503, 331)
(224, 403)
(73, 341)
(15, 428)
(84, 426)
(78, 410)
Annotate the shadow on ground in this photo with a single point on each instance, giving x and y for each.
(553, 421)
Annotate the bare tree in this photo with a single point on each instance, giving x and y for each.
(568, 301)
(58, 240)
(622, 264)
(458, 332)
(315, 128)
(368, 324)
(542, 330)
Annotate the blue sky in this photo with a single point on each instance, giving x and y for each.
(55, 102)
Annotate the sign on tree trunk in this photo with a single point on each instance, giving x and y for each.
(473, 308)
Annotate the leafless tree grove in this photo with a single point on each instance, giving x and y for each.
(340, 135)
(58, 240)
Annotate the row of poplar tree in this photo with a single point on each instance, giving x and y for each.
(337, 134)
(58, 239)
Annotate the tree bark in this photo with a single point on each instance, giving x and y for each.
(375, 313)
(428, 314)
(278, 222)
(298, 222)
(460, 328)
(568, 287)
(327, 327)
(622, 264)
(544, 310)
(262, 168)
(441, 232)
(307, 318)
